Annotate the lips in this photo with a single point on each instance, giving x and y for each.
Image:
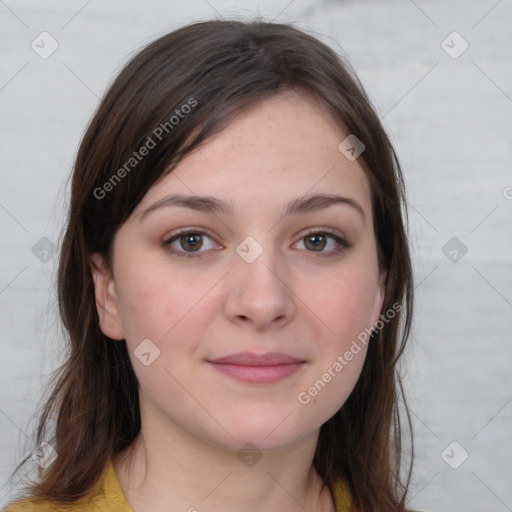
(258, 368)
(249, 359)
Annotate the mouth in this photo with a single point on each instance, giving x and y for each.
(258, 369)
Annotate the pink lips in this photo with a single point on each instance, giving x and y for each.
(258, 369)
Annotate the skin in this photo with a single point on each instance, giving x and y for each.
(290, 299)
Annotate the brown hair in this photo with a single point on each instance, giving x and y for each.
(221, 68)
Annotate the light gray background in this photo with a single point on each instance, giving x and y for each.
(450, 120)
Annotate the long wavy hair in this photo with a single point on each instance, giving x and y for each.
(91, 412)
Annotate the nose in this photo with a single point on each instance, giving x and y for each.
(259, 293)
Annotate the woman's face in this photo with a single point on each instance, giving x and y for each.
(241, 284)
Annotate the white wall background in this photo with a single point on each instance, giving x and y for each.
(451, 122)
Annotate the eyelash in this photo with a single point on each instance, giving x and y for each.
(342, 244)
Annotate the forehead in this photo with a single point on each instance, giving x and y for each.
(282, 148)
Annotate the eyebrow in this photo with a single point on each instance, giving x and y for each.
(207, 204)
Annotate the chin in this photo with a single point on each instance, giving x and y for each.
(268, 431)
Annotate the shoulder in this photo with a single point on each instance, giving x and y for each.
(107, 495)
(32, 505)
(342, 496)
(21, 506)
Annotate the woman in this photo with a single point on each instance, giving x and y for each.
(236, 282)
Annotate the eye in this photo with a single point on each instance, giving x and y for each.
(189, 243)
(318, 240)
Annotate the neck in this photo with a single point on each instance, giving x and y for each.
(173, 470)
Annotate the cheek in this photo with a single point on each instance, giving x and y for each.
(345, 305)
(331, 386)
(165, 309)
(146, 293)
(168, 307)
(345, 309)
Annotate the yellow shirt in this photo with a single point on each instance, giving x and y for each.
(108, 497)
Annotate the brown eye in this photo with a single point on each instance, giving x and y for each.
(191, 241)
(320, 240)
(316, 241)
(189, 244)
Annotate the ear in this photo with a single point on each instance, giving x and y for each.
(379, 297)
(106, 298)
